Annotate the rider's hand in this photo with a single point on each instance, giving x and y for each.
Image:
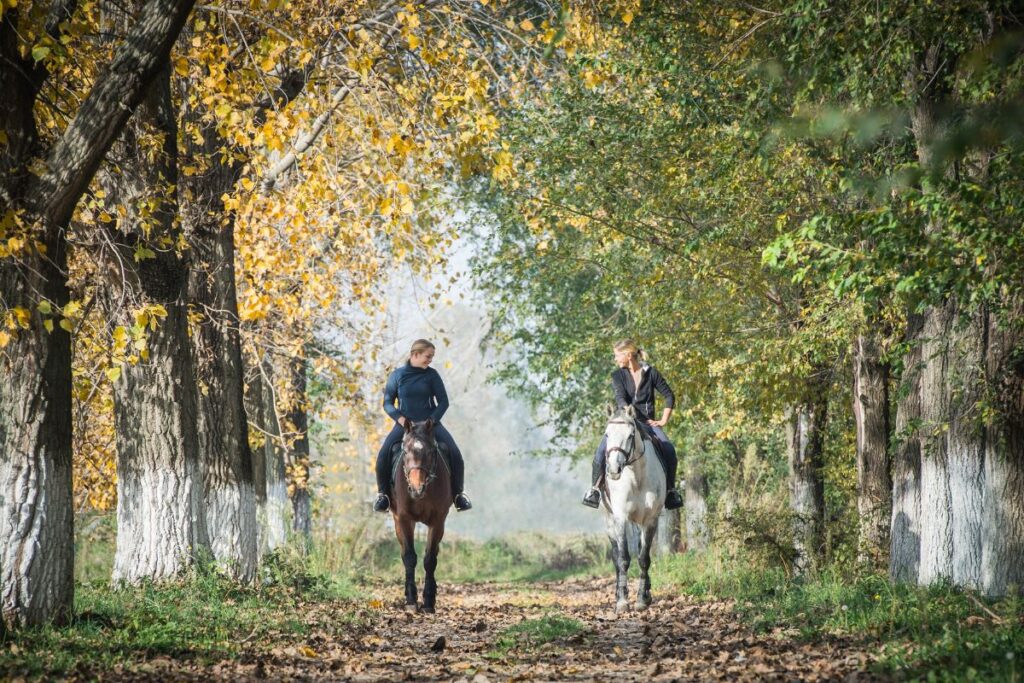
(403, 421)
(656, 423)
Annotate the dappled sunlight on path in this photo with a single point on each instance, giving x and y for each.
(544, 631)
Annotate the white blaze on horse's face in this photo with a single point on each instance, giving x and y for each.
(620, 445)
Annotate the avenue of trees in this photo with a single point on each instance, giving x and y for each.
(809, 213)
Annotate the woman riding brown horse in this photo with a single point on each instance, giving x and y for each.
(422, 493)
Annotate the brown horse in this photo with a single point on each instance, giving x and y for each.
(422, 493)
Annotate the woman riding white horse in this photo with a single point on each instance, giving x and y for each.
(635, 383)
(635, 485)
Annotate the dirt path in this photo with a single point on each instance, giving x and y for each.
(543, 631)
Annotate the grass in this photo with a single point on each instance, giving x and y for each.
(533, 633)
(200, 620)
(524, 557)
(937, 633)
(204, 618)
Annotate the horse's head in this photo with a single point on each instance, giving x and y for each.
(419, 456)
(623, 440)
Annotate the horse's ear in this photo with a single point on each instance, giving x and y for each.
(428, 424)
(610, 409)
(408, 425)
(631, 411)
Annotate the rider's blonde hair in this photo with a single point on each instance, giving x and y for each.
(419, 346)
(630, 346)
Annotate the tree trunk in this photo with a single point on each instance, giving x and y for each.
(1002, 533)
(936, 508)
(268, 461)
(696, 509)
(966, 444)
(952, 447)
(905, 548)
(670, 537)
(36, 560)
(229, 490)
(36, 533)
(805, 449)
(159, 504)
(159, 483)
(871, 414)
(298, 418)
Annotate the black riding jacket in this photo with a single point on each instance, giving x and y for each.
(641, 398)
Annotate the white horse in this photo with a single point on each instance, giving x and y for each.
(635, 494)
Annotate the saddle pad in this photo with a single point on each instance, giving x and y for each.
(396, 459)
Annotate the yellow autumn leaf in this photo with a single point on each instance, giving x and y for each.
(627, 17)
(526, 25)
(22, 316)
(5, 339)
(114, 373)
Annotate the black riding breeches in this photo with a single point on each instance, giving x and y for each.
(666, 454)
(442, 435)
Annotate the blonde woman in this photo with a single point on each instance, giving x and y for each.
(635, 383)
(415, 392)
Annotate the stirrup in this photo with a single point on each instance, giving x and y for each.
(592, 499)
(462, 503)
(382, 504)
(673, 501)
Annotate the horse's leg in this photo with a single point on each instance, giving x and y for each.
(404, 529)
(643, 595)
(620, 552)
(434, 536)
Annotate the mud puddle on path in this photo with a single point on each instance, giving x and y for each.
(551, 631)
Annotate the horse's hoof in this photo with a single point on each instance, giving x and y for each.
(621, 607)
(641, 606)
(411, 609)
(427, 610)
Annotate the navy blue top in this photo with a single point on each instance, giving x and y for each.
(419, 392)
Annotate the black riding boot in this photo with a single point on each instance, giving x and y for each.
(592, 498)
(462, 502)
(383, 503)
(669, 462)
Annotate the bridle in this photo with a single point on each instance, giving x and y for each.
(633, 454)
(431, 473)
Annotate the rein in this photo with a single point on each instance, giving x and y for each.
(633, 454)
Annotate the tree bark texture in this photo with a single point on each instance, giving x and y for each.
(805, 424)
(229, 489)
(160, 525)
(952, 447)
(155, 399)
(269, 475)
(696, 506)
(302, 522)
(1002, 532)
(36, 526)
(871, 416)
(670, 537)
(36, 535)
(905, 547)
